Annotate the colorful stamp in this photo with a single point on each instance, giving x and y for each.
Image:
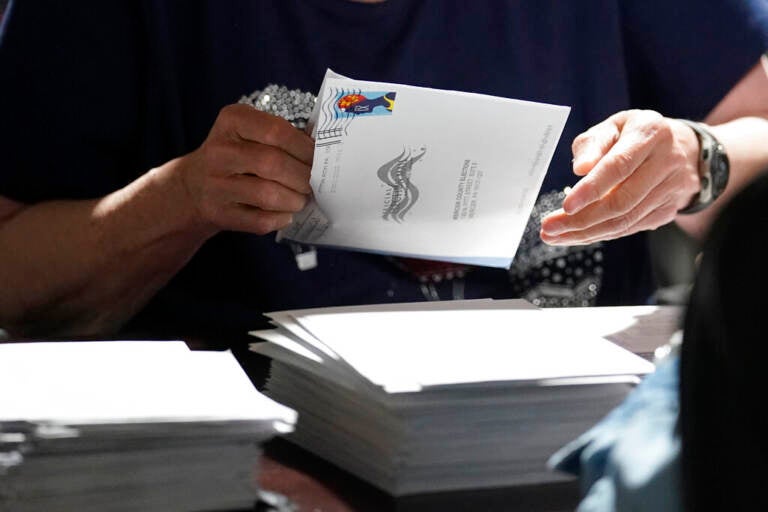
(372, 103)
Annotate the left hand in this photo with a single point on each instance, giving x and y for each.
(639, 168)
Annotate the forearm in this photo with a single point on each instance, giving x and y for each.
(745, 143)
(85, 267)
(740, 122)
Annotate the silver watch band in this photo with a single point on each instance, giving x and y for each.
(710, 151)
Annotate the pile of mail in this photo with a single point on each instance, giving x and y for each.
(129, 426)
(442, 396)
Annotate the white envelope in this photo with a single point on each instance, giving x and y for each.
(424, 173)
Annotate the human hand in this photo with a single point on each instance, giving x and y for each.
(639, 168)
(251, 173)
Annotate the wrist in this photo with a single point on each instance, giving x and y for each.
(154, 207)
(712, 166)
(171, 179)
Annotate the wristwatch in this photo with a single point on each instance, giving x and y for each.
(714, 168)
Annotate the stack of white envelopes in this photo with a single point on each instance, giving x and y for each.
(129, 426)
(445, 396)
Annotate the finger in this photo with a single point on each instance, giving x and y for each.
(260, 193)
(589, 147)
(654, 219)
(268, 162)
(638, 136)
(622, 199)
(631, 222)
(257, 126)
(238, 217)
(273, 164)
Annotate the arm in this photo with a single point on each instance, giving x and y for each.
(740, 122)
(640, 168)
(85, 267)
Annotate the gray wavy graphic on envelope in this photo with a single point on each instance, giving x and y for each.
(401, 193)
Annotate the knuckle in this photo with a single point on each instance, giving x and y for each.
(269, 161)
(663, 130)
(650, 117)
(621, 164)
(274, 131)
(237, 109)
(620, 200)
(642, 118)
(580, 140)
(226, 115)
(228, 119)
(677, 158)
(631, 116)
(655, 127)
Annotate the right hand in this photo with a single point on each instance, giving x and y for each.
(251, 173)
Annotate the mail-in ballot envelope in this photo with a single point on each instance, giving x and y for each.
(424, 173)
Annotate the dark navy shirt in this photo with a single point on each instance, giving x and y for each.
(93, 94)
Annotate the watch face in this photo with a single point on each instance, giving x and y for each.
(719, 169)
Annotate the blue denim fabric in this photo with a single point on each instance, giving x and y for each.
(630, 460)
